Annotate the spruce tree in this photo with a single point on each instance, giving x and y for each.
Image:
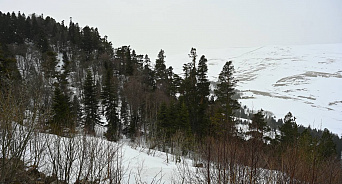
(289, 130)
(148, 74)
(225, 92)
(123, 55)
(161, 72)
(183, 121)
(90, 104)
(61, 111)
(203, 92)
(189, 92)
(203, 81)
(109, 101)
(160, 67)
(327, 147)
(258, 125)
(163, 120)
(63, 78)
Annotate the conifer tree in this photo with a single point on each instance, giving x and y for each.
(289, 130)
(183, 121)
(63, 78)
(327, 147)
(203, 81)
(161, 73)
(148, 74)
(123, 55)
(203, 92)
(61, 111)
(258, 125)
(160, 67)
(189, 92)
(163, 124)
(90, 104)
(130, 59)
(225, 92)
(109, 102)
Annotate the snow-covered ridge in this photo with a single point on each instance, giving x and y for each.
(303, 79)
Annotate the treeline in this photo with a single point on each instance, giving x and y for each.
(73, 81)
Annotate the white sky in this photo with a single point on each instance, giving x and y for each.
(178, 25)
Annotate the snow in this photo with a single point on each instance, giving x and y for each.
(302, 79)
(60, 63)
(151, 167)
(136, 164)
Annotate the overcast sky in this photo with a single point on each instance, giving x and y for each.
(178, 25)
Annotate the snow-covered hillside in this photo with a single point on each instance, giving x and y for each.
(303, 79)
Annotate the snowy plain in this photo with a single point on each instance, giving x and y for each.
(305, 80)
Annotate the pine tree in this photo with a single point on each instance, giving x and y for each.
(163, 123)
(289, 130)
(183, 121)
(327, 147)
(203, 81)
(161, 73)
(61, 111)
(160, 67)
(90, 104)
(109, 102)
(189, 92)
(87, 41)
(258, 125)
(49, 64)
(225, 95)
(123, 55)
(203, 92)
(63, 78)
(148, 74)
(173, 83)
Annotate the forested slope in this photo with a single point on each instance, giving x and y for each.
(62, 79)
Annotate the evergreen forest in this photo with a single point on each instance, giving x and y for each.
(61, 79)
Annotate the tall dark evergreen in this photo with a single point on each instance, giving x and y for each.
(258, 126)
(63, 77)
(90, 104)
(109, 101)
(188, 91)
(225, 92)
(289, 130)
(164, 126)
(203, 81)
(160, 67)
(49, 64)
(327, 147)
(61, 112)
(203, 92)
(123, 56)
(161, 72)
(173, 83)
(148, 74)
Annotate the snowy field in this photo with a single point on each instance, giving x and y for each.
(305, 80)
